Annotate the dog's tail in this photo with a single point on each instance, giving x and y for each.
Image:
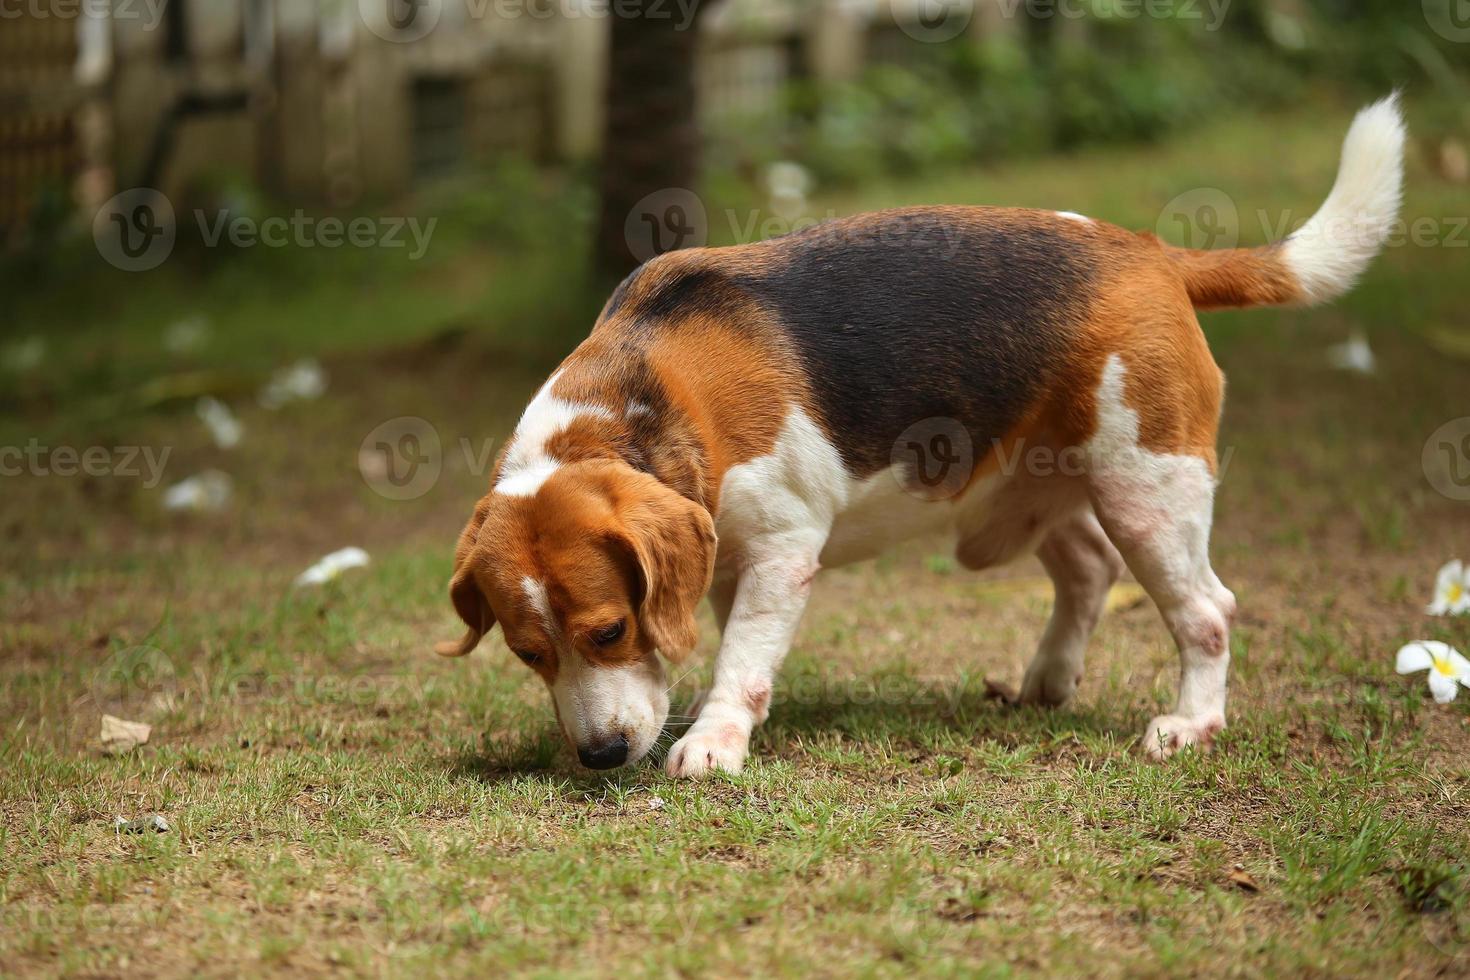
(1324, 257)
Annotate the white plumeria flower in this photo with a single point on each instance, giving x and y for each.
(1353, 354)
(333, 565)
(305, 380)
(209, 490)
(1447, 668)
(187, 335)
(221, 422)
(1451, 591)
(24, 357)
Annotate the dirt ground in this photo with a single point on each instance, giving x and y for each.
(341, 800)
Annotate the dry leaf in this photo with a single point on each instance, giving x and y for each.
(996, 691)
(1454, 161)
(120, 736)
(1449, 341)
(1122, 597)
(1029, 587)
(1125, 596)
(1241, 878)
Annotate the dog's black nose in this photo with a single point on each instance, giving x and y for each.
(608, 755)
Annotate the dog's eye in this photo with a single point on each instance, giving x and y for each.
(608, 635)
(528, 658)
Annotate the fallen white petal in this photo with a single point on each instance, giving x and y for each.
(1415, 657)
(1444, 688)
(225, 429)
(186, 335)
(330, 566)
(120, 735)
(1353, 354)
(24, 356)
(209, 490)
(787, 178)
(1451, 590)
(304, 380)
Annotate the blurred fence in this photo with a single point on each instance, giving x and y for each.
(328, 102)
(39, 102)
(320, 101)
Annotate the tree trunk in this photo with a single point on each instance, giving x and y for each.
(651, 139)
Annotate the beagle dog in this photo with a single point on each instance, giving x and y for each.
(741, 417)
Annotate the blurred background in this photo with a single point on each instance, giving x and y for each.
(277, 278)
(211, 209)
(531, 129)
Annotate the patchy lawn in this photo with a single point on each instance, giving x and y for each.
(342, 799)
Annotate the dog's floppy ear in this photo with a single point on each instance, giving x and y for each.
(672, 540)
(470, 603)
(465, 592)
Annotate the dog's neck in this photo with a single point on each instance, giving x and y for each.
(612, 408)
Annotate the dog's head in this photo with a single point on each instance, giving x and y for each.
(588, 577)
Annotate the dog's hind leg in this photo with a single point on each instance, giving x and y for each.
(1083, 565)
(1156, 507)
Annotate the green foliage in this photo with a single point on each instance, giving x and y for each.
(1110, 78)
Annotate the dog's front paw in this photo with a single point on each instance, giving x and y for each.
(722, 745)
(1050, 685)
(1167, 734)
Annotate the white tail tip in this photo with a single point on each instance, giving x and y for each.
(1330, 251)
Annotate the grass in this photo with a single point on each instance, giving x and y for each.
(342, 800)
